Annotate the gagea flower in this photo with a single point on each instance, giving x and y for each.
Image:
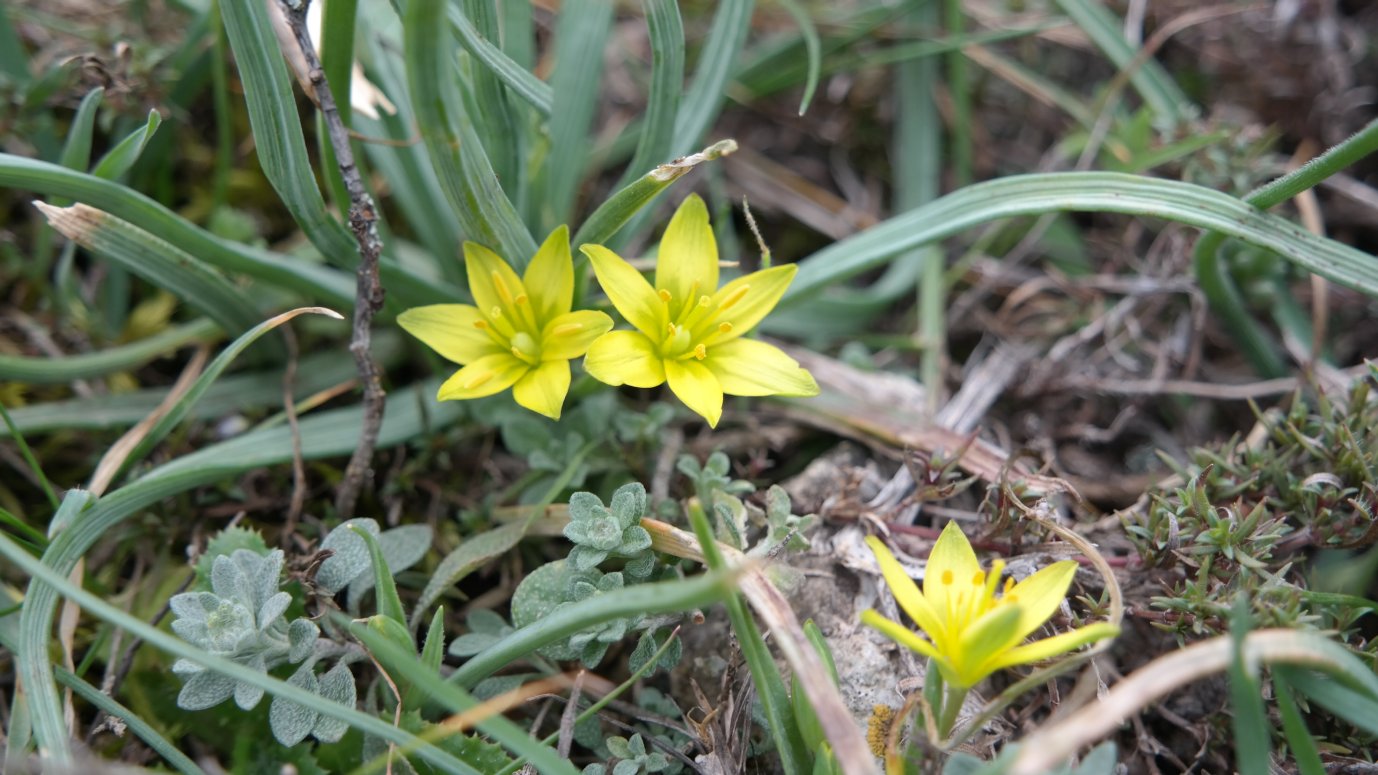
(688, 330)
(519, 333)
(971, 631)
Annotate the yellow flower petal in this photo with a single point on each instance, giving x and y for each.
(484, 377)
(983, 641)
(747, 367)
(491, 281)
(1058, 644)
(899, 633)
(549, 277)
(449, 330)
(628, 291)
(697, 388)
(907, 593)
(1039, 595)
(543, 389)
(951, 568)
(687, 264)
(742, 303)
(570, 334)
(625, 358)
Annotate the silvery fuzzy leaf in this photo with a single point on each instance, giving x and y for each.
(641, 566)
(540, 460)
(263, 572)
(205, 689)
(487, 620)
(193, 632)
(228, 626)
(337, 685)
(291, 723)
(193, 606)
(350, 556)
(186, 667)
(402, 548)
(227, 579)
(586, 557)
(629, 503)
(635, 539)
(273, 608)
(246, 696)
(472, 643)
(585, 506)
(626, 767)
(523, 435)
(494, 686)
(301, 634)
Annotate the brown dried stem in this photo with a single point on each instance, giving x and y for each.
(368, 294)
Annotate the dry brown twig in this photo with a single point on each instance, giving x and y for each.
(368, 294)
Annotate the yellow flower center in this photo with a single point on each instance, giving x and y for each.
(692, 321)
(513, 326)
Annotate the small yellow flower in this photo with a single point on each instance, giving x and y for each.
(972, 632)
(688, 330)
(519, 333)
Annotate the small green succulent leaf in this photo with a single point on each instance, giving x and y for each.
(402, 548)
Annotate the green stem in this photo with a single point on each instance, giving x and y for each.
(953, 697)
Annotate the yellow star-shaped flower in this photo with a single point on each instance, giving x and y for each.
(688, 330)
(519, 333)
(972, 632)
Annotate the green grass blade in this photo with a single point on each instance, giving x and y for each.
(157, 262)
(704, 99)
(178, 411)
(277, 129)
(1217, 285)
(813, 50)
(496, 122)
(14, 63)
(385, 588)
(1082, 192)
(536, 92)
(1303, 747)
(580, 33)
(76, 152)
(44, 577)
(959, 87)
(666, 31)
(654, 598)
(620, 207)
(52, 180)
(27, 454)
(1152, 82)
(1358, 707)
(117, 161)
(337, 61)
(479, 205)
(52, 371)
(505, 732)
(316, 372)
(1248, 720)
(770, 689)
(142, 729)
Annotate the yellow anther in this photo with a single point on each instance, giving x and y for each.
(565, 329)
(1009, 584)
(724, 328)
(672, 329)
(477, 380)
(521, 299)
(735, 297)
(704, 301)
(664, 295)
(501, 287)
(700, 352)
(979, 579)
(947, 578)
(481, 325)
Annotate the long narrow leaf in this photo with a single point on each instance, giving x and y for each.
(49, 371)
(1084, 192)
(117, 161)
(580, 32)
(537, 93)
(156, 261)
(277, 129)
(666, 31)
(477, 200)
(701, 104)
